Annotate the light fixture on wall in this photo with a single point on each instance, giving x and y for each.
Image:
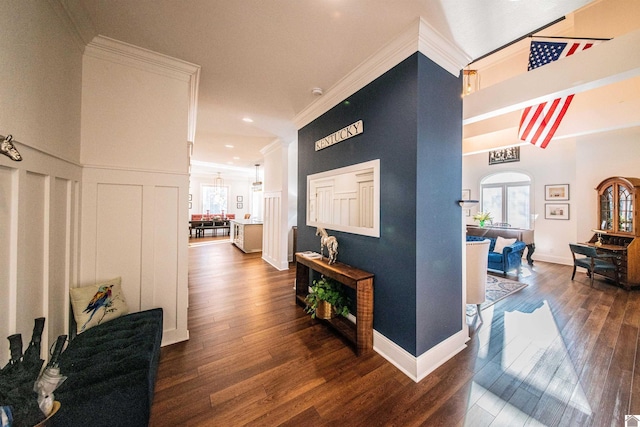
(470, 81)
(257, 184)
(218, 182)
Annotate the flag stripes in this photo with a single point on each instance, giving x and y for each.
(539, 123)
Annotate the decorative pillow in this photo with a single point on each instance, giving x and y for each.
(501, 243)
(97, 303)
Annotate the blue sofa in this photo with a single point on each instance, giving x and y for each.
(509, 259)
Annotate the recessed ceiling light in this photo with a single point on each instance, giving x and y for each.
(247, 119)
(228, 145)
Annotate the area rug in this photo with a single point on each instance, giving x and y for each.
(497, 288)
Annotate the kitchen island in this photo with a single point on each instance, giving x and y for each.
(246, 234)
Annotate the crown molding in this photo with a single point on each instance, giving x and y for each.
(437, 48)
(418, 37)
(273, 146)
(108, 49)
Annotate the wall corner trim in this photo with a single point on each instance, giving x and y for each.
(76, 21)
(419, 367)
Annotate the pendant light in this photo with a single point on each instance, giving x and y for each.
(471, 81)
(218, 182)
(257, 184)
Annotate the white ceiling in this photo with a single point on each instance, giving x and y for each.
(261, 58)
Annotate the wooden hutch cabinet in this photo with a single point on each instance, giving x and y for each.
(618, 231)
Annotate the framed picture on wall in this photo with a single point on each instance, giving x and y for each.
(239, 199)
(238, 205)
(190, 197)
(556, 192)
(190, 206)
(466, 194)
(556, 211)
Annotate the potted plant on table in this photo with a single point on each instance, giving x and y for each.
(481, 217)
(326, 298)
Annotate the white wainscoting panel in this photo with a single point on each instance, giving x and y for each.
(119, 238)
(39, 201)
(131, 227)
(62, 254)
(8, 243)
(32, 251)
(165, 266)
(272, 231)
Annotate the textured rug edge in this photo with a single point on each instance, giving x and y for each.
(471, 308)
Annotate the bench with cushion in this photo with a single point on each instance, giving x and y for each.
(111, 372)
(110, 362)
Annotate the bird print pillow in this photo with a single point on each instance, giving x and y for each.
(96, 304)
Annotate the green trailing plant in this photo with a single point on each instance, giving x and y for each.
(330, 291)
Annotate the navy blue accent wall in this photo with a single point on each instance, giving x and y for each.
(396, 132)
(439, 217)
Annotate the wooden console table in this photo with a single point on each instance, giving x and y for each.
(360, 334)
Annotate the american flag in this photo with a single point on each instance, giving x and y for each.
(539, 122)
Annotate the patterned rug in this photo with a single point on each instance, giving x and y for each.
(497, 288)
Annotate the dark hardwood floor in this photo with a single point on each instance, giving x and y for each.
(557, 353)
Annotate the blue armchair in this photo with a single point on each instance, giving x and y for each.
(509, 259)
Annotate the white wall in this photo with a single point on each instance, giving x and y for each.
(40, 88)
(237, 187)
(600, 156)
(292, 187)
(275, 231)
(135, 110)
(580, 162)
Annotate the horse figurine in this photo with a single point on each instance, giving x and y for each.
(8, 149)
(330, 242)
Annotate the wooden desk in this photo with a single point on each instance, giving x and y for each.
(625, 251)
(360, 334)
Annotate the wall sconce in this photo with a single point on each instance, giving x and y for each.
(470, 81)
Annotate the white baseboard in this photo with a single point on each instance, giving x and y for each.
(552, 259)
(419, 367)
(174, 336)
(278, 266)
